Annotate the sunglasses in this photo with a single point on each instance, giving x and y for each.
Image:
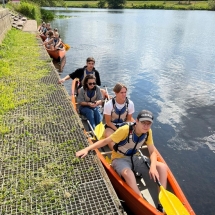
(91, 83)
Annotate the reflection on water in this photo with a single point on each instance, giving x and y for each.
(166, 60)
(60, 65)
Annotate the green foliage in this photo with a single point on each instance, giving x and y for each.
(116, 4)
(85, 5)
(101, 3)
(148, 6)
(19, 61)
(47, 15)
(29, 9)
(211, 5)
(49, 3)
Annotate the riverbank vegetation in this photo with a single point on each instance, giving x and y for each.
(33, 10)
(173, 5)
(38, 163)
(19, 61)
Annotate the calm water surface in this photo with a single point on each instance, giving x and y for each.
(166, 58)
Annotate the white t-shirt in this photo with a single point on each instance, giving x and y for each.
(108, 107)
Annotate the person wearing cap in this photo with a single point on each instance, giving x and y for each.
(124, 159)
(81, 73)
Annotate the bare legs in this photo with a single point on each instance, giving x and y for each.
(130, 179)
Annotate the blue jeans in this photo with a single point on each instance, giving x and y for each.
(92, 114)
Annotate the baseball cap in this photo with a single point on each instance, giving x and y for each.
(145, 115)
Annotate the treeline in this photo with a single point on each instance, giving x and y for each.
(141, 0)
(33, 10)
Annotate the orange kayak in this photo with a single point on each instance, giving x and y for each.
(148, 188)
(57, 54)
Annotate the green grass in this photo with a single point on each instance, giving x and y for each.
(91, 4)
(21, 71)
(194, 5)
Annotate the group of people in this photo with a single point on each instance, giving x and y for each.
(124, 139)
(53, 40)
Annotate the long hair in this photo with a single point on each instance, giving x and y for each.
(84, 82)
(118, 87)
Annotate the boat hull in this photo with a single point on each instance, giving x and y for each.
(43, 37)
(134, 202)
(58, 54)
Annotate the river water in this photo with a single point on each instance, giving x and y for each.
(166, 59)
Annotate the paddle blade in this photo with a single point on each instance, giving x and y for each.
(108, 159)
(99, 130)
(171, 204)
(66, 46)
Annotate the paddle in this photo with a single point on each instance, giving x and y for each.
(108, 97)
(66, 46)
(91, 128)
(171, 204)
(99, 130)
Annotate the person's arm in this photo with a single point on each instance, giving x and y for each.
(82, 153)
(130, 111)
(107, 113)
(50, 41)
(81, 99)
(46, 41)
(98, 96)
(109, 123)
(77, 74)
(59, 42)
(64, 79)
(129, 118)
(153, 157)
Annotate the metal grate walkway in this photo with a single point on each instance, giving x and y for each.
(39, 173)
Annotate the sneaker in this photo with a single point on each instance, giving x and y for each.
(160, 208)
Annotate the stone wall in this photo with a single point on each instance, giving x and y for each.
(5, 22)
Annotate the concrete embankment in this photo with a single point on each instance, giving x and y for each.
(5, 22)
(39, 171)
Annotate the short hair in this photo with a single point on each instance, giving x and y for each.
(89, 59)
(118, 87)
(84, 82)
(56, 33)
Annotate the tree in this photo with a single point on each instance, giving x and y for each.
(116, 4)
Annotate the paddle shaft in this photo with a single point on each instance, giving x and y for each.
(91, 128)
(107, 92)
